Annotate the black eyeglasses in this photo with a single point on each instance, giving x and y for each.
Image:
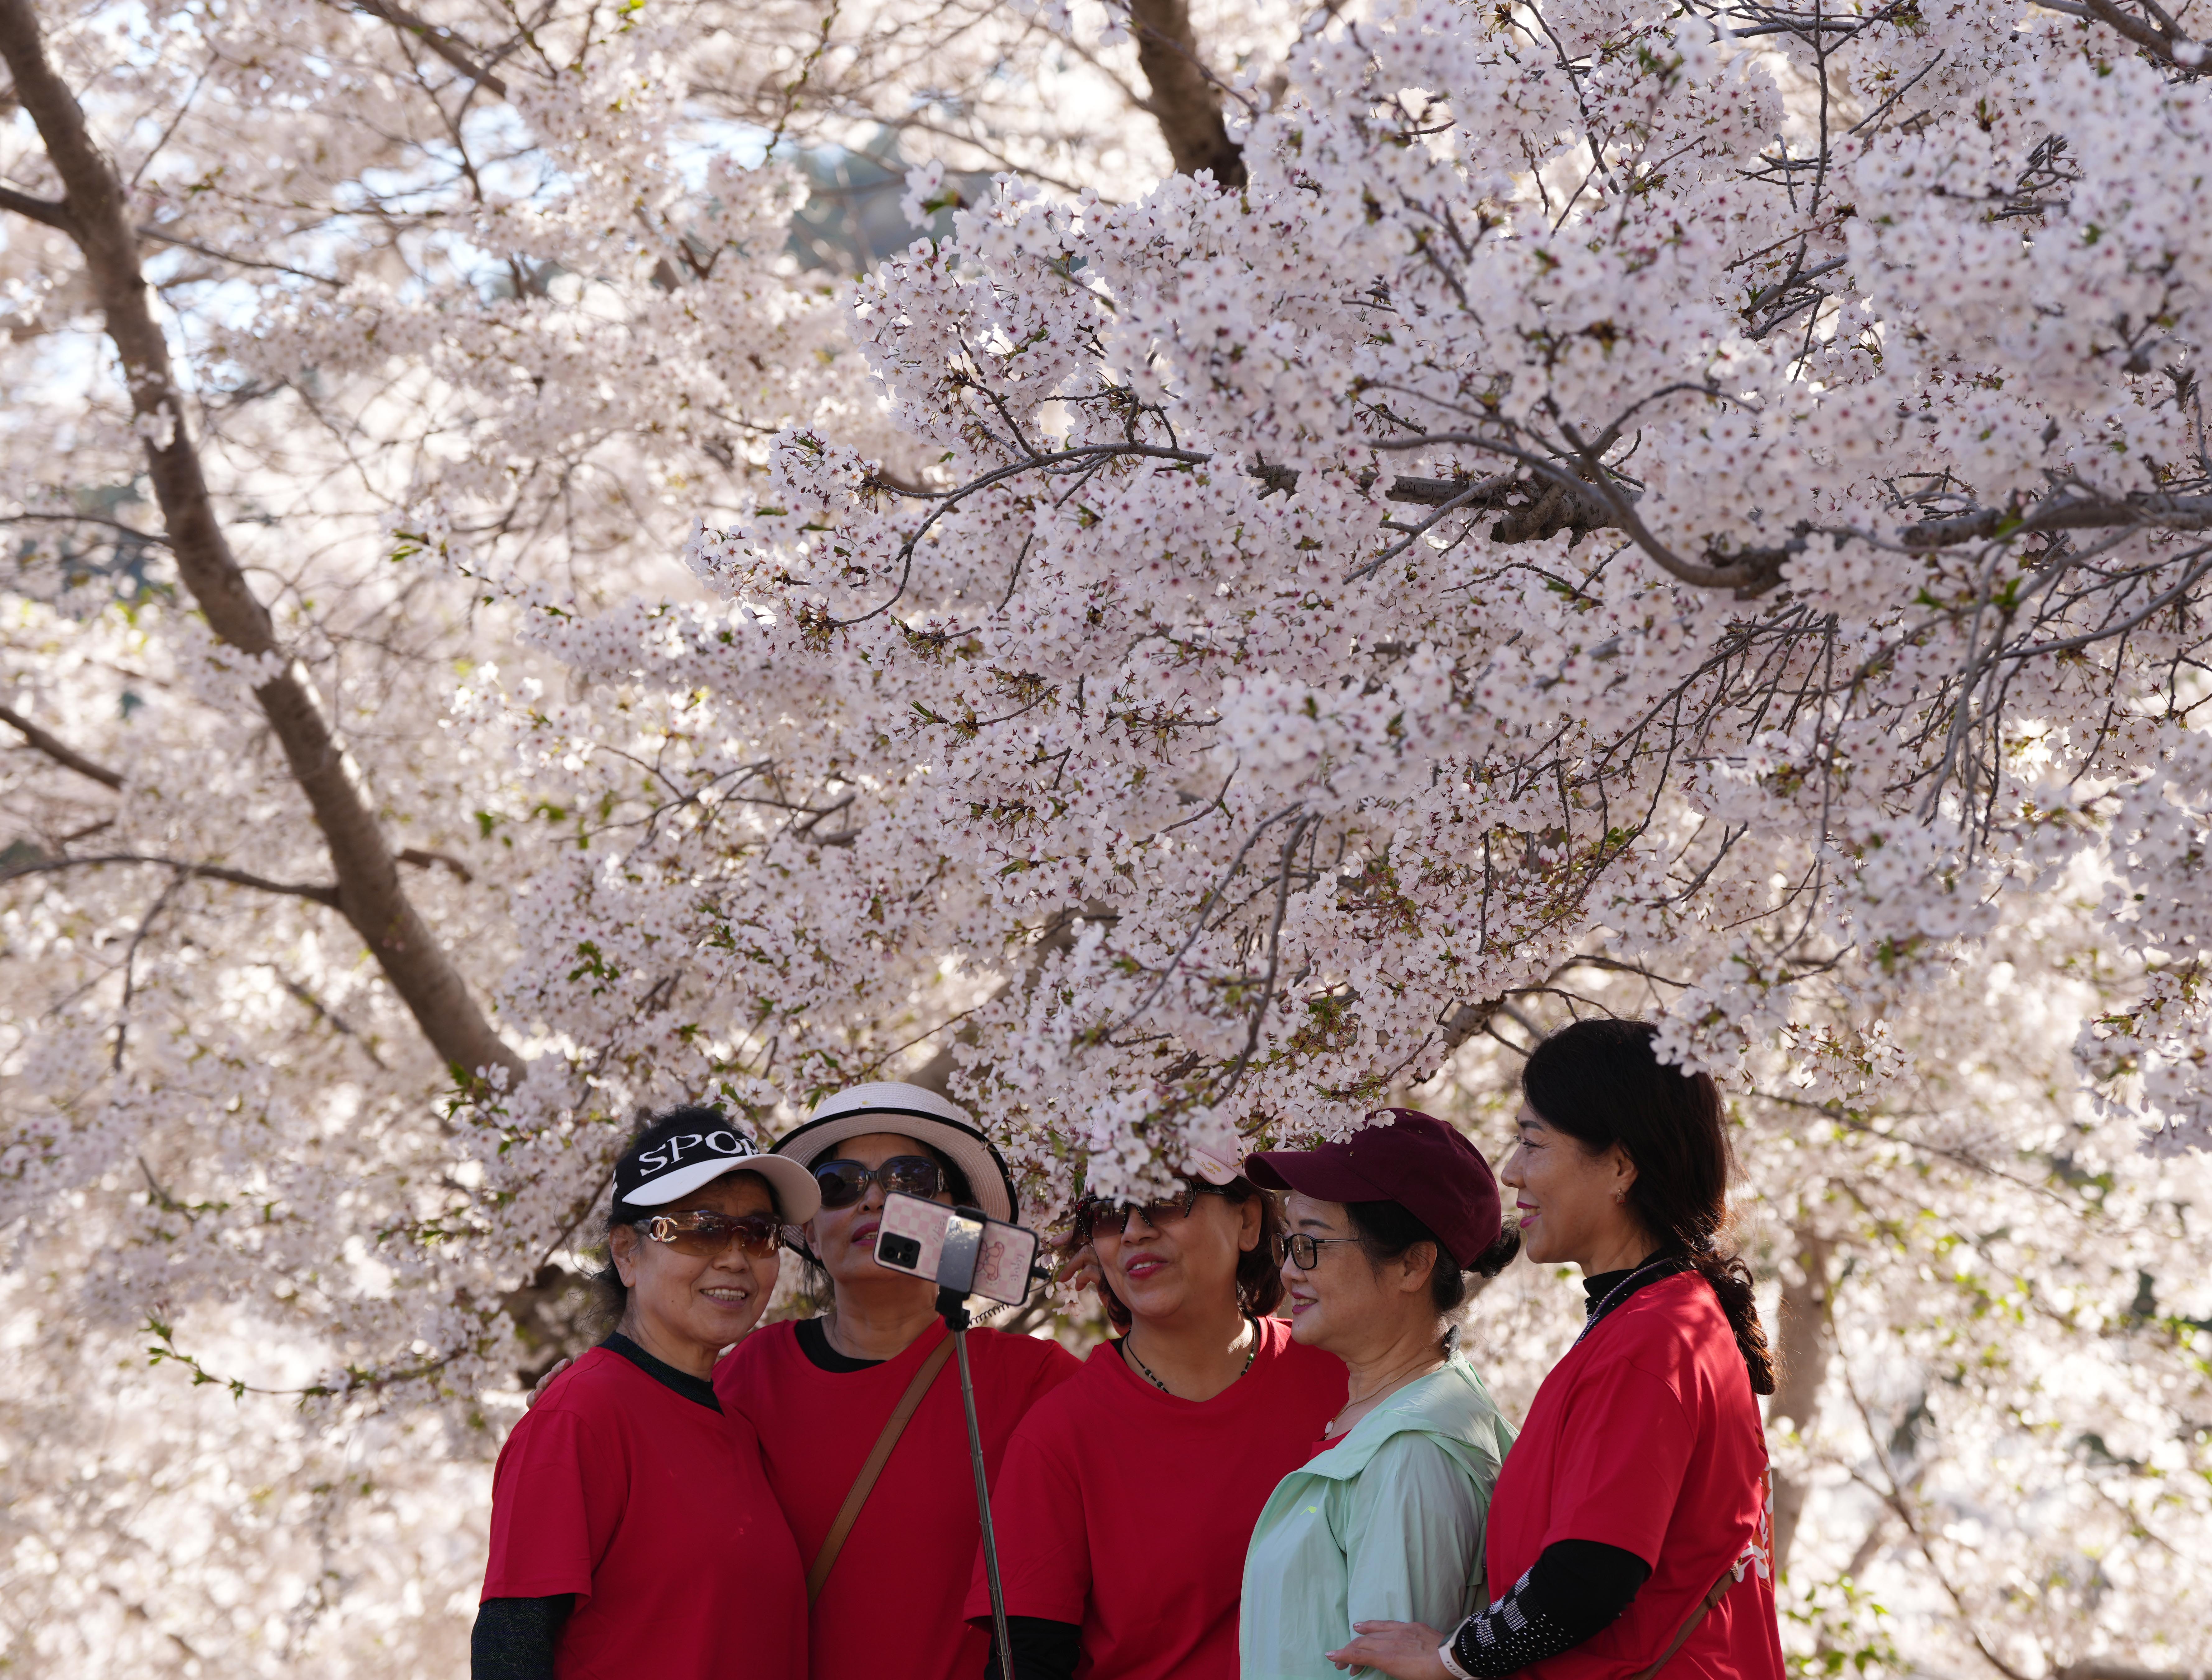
(704, 1234)
(843, 1183)
(1303, 1252)
(1094, 1212)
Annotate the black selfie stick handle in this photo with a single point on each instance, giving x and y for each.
(955, 1310)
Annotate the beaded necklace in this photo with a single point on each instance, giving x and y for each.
(1130, 1354)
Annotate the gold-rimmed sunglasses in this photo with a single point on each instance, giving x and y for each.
(703, 1233)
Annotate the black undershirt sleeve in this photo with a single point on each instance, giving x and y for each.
(513, 1638)
(1043, 1650)
(1575, 1589)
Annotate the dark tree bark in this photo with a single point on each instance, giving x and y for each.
(96, 215)
(1806, 1343)
(1186, 100)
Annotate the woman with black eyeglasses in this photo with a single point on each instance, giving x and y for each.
(862, 1425)
(1129, 1494)
(631, 1520)
(1385, 1520)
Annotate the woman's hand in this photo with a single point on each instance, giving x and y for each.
(545, 1383)
(1402, 1650)
(1079, 1263)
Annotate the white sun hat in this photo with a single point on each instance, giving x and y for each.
(911, 1110)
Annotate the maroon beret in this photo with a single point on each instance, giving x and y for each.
(1399, 1155)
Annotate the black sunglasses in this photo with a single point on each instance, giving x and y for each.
(1093, 1213)
(843, 1183)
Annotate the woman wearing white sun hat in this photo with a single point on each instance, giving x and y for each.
(888, 1560)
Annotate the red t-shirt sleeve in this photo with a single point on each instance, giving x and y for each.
(1626, 1450)
(1054, 1365)
(1044, 1554)
(543, 1538)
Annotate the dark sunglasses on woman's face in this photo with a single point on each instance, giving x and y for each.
(1094, 1214)
(844, 1183)
(704, 1234)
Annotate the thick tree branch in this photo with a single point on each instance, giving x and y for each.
(439, 39)
(58, 749)
(48, 210)
(2162, 39)
(369, 890)
(1533, 512)
(213, 872)
(1186, 100)
(2064, 512)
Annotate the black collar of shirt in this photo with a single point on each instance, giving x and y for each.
(697, 1389)
(814, 1342)
(1605, 1289)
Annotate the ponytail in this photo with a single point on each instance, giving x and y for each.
(1602, 1083)
(1731, 1281)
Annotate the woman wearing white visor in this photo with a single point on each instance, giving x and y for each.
(861, 1425)
(628, 1447)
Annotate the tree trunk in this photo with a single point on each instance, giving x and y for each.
(369, 894)
(1807, 1341)
(1185, 101)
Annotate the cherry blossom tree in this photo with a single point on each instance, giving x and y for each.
(278, 282)
(1697, 513)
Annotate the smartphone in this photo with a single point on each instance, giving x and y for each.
(957, 1248)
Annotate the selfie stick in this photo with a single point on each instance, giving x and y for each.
(953, 1278)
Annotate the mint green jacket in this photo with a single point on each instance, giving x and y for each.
(1385, 1526)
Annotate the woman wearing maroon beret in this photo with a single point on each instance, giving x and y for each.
(1385, 1521)
(1628, 1532)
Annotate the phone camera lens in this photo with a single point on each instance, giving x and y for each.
(900, 1251)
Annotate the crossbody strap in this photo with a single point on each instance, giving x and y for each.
(894, 1427)
(1730, 1577)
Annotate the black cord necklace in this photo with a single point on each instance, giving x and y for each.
(1130, 1353)
(1626, 1284)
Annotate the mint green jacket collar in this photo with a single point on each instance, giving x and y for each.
(1438, 1407)
(1385, 1526)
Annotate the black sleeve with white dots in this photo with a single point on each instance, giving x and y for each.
(1575, 1589)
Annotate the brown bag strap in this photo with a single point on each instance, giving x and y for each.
(894, 1427)
(1730, 1577)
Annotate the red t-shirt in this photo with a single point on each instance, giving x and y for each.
(1128, 1511)
(893, 1596)
(652, 1509)
(1646, 1437)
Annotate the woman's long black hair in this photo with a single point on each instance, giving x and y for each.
(1602, 1082)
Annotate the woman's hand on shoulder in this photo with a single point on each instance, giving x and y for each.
(1402, 1650)
(545, 1383)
